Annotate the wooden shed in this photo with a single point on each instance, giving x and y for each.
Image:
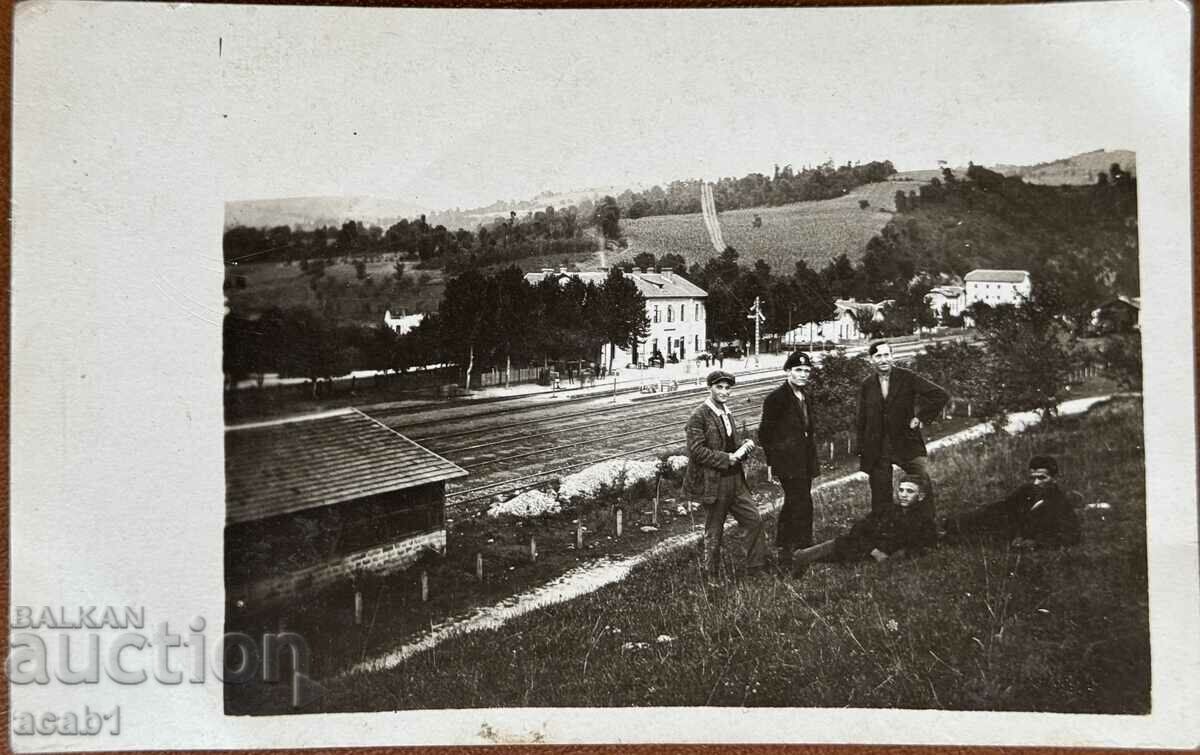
(314, 500)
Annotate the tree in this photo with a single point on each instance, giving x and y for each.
(607, 217)
(464, 317)
(1030, 352)
(901, 201)
(621, 314)
(514, 309)
(644, 260)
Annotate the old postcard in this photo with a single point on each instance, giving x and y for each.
(396, 376)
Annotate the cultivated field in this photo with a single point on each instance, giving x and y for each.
(967, 627)
(812, 231)
(278, 284)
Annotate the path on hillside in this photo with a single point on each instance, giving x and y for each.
(590, 577)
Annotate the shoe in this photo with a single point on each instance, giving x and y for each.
(799, 569)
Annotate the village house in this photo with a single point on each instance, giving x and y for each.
(316, 500)
(674, 306)
(842, 327)
(946, 300)
(402, 323)
(1120, 315)
(996, 287)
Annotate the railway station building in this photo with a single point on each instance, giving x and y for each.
(674, 306)
(315, 500)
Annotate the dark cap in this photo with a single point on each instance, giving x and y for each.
(1044, 462)
(797, 359)
(716, 376)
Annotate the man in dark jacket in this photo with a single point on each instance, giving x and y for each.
(904, 527)
(715, 477)
(1037, 513)
(786, 434)
(893, 405)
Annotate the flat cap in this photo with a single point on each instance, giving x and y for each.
(716, 376)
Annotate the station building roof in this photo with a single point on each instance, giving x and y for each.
(664, 285)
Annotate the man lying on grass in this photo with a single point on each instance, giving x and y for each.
(889, 531)
(1037, 513)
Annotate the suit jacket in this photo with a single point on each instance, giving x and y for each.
(891, 528)
(909, 395)
(1043, 514)
(707, 458)
(785, 435)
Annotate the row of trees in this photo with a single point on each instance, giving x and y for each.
(755, 189)
(485, 320)
(502, 239)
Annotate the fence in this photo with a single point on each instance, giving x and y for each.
(515, 375)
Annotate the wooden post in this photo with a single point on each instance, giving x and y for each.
(968, 408)
(532, 548)
(357, 607)
(657, 493)
(579, 534)
(424, 585)
(849, 444)
(479, 566)
(620, 517)
(831, 450)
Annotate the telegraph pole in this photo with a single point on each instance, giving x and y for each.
(757, 316)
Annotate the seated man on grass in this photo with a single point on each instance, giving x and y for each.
(892, 530)
(1037, 513)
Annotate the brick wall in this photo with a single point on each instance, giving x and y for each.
(383, 559)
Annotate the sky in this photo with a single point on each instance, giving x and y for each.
(446, 108)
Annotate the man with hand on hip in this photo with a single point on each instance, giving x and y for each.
(893, 405)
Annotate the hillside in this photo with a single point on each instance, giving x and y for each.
(1077, 169)
(312, 212)
(812, 231)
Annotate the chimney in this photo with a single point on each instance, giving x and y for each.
(669, 274)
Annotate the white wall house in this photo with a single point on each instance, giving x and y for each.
(995, 287)
(843, 326)
(674, 306)
(951, 297)
(402, 323)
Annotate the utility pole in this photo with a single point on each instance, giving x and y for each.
(757, 316)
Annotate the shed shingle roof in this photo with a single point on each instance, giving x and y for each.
(282, 467)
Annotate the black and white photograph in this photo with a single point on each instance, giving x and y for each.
(605, 375)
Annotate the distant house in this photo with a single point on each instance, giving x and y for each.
(843, 326)
(315, 500)
(1120, 315)
(674, 306)
(403, 323)
(951, 298)
(996, 287)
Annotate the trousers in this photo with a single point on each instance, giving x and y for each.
(794, 528)
(733, 498)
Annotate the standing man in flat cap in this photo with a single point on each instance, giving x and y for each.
(715, 477)
(786, 432)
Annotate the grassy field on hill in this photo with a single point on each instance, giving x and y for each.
(349, 298)
(970, 627)
(812, 231)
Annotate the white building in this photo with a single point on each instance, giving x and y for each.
(403, 323)
(843, 326)
(950, 297)
(674, 306)
(995, 287)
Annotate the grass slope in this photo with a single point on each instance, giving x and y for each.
(974, 627)
(812, 231)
